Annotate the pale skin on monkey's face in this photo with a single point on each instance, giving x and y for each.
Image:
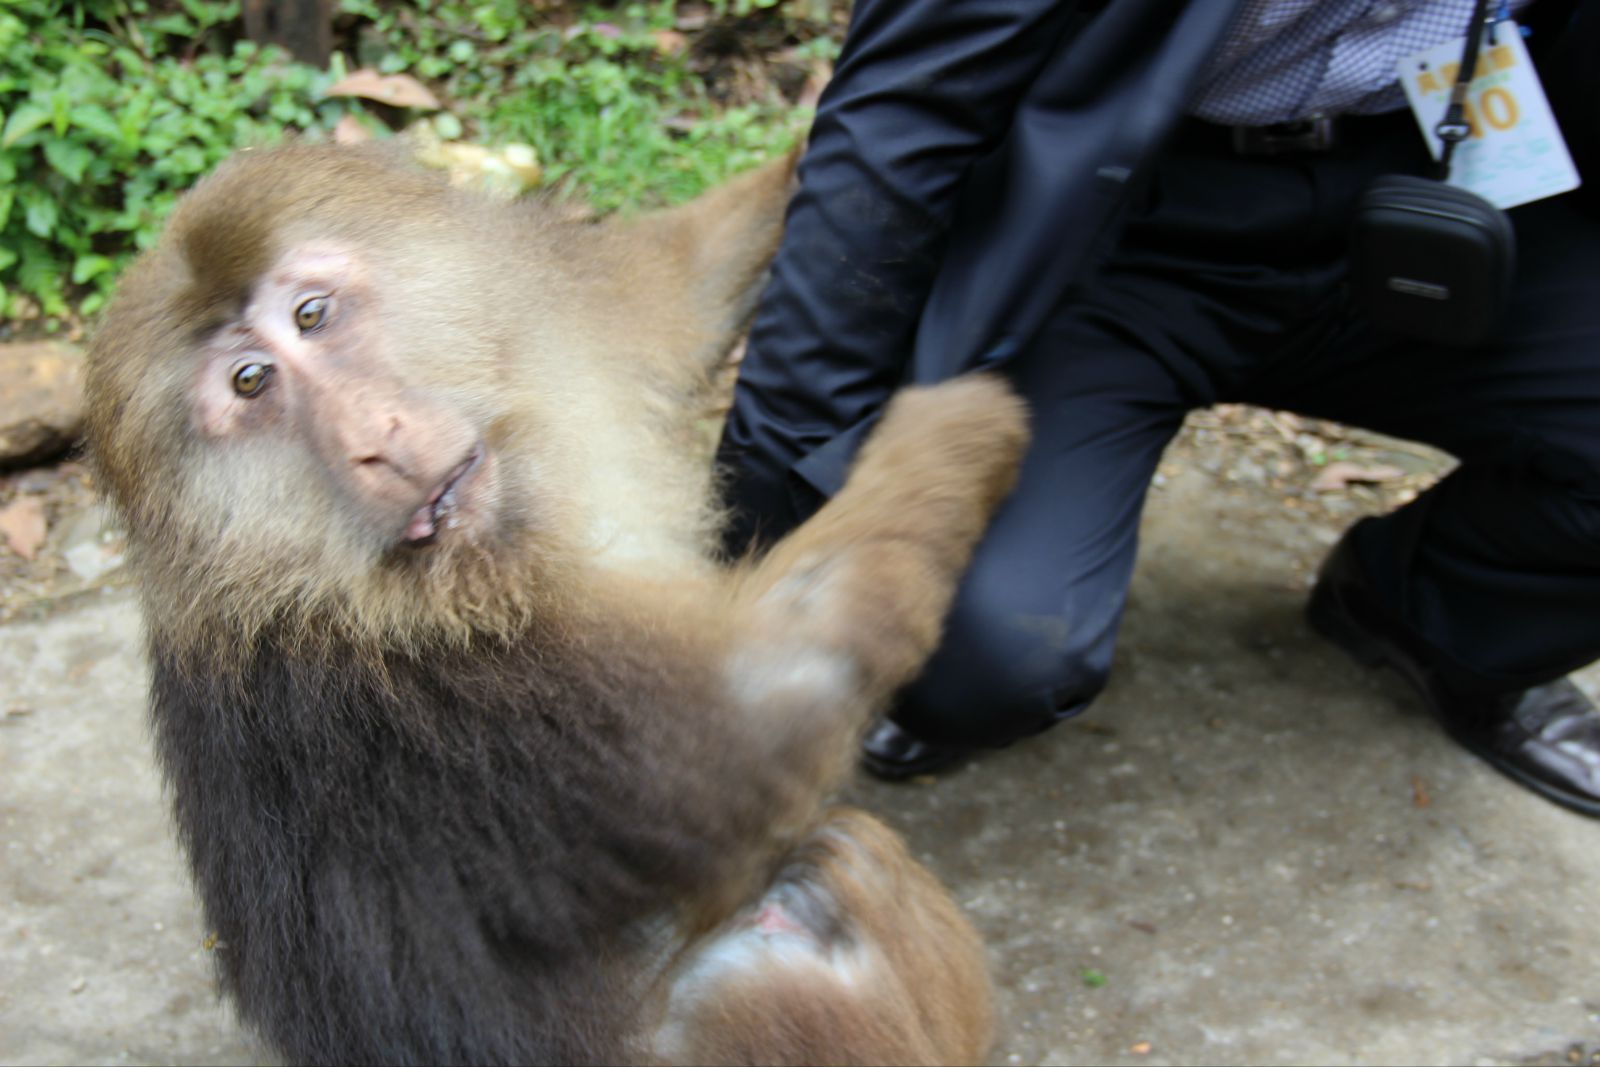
(306, 364)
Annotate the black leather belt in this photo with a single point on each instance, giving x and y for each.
(1319, 134)
(1315, 134)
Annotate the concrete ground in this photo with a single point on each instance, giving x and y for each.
(1250, 851)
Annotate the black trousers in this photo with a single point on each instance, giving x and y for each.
(1229, 285)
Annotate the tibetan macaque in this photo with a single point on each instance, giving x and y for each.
(478, 754)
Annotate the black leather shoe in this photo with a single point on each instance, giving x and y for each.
(894, 754)
(1546, 737)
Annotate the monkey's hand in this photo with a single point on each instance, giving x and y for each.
(850, 606)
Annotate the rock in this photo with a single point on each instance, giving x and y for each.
(93, 546)
(41, 401)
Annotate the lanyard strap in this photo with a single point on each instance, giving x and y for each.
(1453, 128)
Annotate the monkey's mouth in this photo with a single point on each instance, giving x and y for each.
(444, 505)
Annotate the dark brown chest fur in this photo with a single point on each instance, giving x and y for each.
(448, 859)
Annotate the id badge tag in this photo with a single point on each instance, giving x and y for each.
(1515, 153)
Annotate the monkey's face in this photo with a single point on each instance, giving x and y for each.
(309, 374)
(313, 461)
(340, 394)
(318, 424)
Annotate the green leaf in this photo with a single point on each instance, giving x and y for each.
(40, 275)
(187, 159)
(8, 256)
(174, 24)
(69, 158)
(447, 126)
(60, 111)
(92, 118)
(40, 210)
(88, 267)
(23, 121)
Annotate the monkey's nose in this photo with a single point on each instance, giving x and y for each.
(380, 446)
(387, 443)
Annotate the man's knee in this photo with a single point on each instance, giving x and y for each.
(1002, 674)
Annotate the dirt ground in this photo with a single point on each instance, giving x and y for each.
(1249, 851)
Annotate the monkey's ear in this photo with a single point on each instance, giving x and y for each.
(713, 252)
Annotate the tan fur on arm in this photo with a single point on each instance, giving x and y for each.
(849, 607)
(872, 573)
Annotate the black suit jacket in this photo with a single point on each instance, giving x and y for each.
(966, 167)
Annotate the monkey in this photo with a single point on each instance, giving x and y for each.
(477, 750)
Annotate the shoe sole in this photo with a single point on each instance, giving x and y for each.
(1328, 618)
(900, 772)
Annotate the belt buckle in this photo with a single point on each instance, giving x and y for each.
(1314, 134)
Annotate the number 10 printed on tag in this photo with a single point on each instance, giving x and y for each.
(1514, 153)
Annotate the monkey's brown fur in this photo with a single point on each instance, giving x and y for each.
(545, 784)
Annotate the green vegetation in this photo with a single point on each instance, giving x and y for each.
(110, 108)
(608, 100)
(106, 120)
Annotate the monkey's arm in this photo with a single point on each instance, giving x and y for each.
(848, 608)
(817, 635)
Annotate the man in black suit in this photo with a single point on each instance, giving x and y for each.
(1134, 208)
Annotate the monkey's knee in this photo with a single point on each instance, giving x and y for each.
(1003, 673)
(855, 954)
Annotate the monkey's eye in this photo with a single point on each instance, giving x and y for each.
(251, 378)
(311, 314)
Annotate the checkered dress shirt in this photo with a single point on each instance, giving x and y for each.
(1293, 59)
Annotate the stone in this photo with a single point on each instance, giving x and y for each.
(93, 545)
(41, 401)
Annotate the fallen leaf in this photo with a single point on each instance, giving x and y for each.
(670, 42)
(1339, 475)
(507, 171)
(396, 90)
(1140, 1048)
(349, 130)
(23, 524)
(1419, 793)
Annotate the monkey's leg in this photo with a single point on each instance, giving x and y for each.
(849, 606)
(855, 955)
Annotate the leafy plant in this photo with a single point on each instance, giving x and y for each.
(609, 99)
(107, 118)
